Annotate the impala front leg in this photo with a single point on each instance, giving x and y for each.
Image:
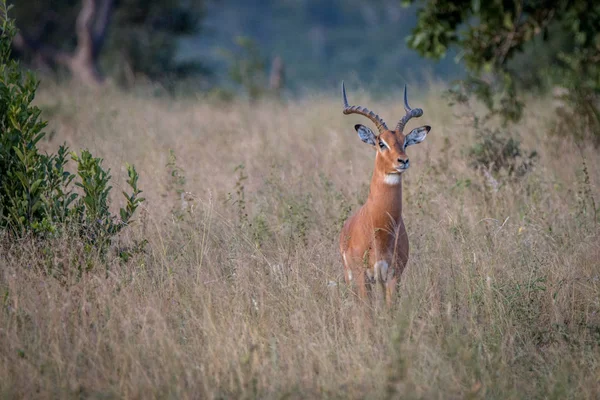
(388, 278)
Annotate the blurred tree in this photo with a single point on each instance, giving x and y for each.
(125, 37)
(247, 67)
(322, 42)
(505, 43)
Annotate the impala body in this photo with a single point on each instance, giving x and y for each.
(373, 242)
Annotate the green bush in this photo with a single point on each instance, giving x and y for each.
(498, 152)
(509, 47)
(495, 150)
(37, 195)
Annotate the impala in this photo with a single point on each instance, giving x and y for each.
(373, 242)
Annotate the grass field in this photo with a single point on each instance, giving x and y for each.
(238, 292)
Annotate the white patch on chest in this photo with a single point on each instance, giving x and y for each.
(392, 179)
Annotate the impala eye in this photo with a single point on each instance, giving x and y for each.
(382, 145)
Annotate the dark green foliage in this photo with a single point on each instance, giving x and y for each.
(515, 44)
(142, 37)
(28, 178)
(491, 33)
(582, 118)
(36, 191)
(94, 183)
(92, 208)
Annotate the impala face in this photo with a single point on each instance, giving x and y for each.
(391, 146)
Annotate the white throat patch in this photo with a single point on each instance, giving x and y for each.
(392, 179)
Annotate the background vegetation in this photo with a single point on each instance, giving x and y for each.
(226, 281)
(127, 40)
(317, 41)
(511, 46)
(239, 290)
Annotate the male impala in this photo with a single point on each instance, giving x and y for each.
(373, 242)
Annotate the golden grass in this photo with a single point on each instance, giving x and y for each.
(239, 291)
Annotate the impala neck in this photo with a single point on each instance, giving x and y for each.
(385, 195)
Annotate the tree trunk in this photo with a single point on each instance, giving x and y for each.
(91, 28)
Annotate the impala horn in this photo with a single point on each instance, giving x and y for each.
(410, 113)
(381, 126)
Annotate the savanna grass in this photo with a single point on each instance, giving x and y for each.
(232, 285)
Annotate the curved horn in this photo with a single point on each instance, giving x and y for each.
(410, 113)
(381, 126)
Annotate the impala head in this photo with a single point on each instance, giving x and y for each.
(390, 144)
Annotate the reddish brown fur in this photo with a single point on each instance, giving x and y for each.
(376, 232)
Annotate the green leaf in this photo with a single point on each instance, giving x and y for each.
(38, 137)
(19, 154)
(35, 185)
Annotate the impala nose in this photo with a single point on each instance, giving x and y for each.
(403, 163)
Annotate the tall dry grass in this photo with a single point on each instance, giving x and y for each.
(239, 293)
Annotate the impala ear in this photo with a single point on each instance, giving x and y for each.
(417, 135)
(365, 134)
